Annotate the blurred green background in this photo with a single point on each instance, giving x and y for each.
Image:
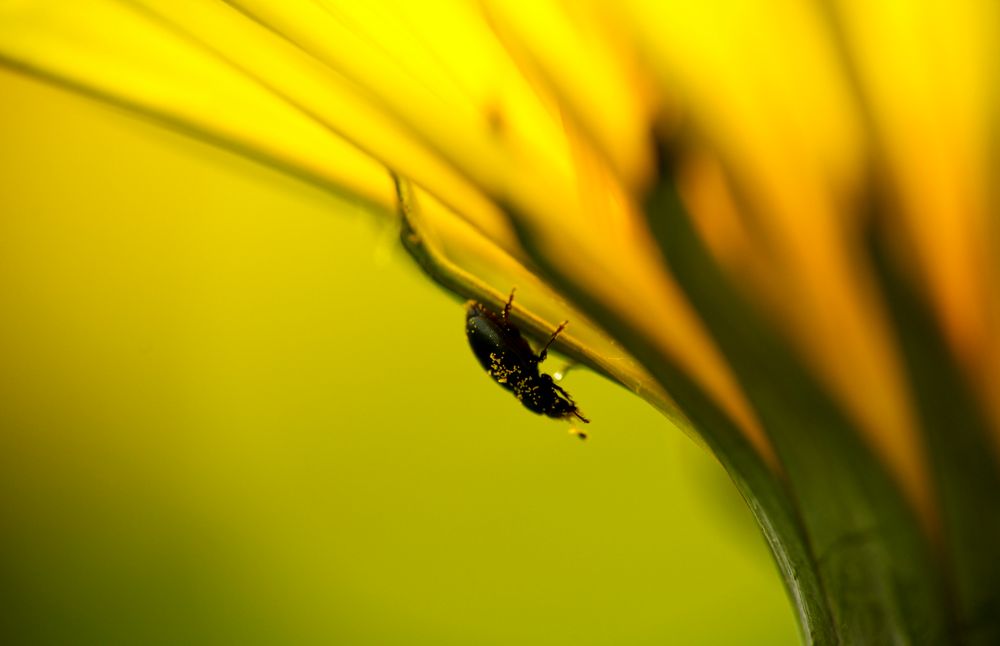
(233, 412)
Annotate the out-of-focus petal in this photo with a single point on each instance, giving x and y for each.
(585, 57)
(929, 73)
(328, 98)
(108, 49)
(785, 133)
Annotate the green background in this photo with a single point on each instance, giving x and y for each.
(233, 412)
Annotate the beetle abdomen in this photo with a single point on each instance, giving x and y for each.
(493, 347)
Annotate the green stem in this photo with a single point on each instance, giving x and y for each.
(881, 578)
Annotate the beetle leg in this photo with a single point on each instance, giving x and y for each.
(572, 403)
(506, 308)
(545, 351)
(564, 394)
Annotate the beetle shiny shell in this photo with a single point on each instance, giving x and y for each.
(510, 361)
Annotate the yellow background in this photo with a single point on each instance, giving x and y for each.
(233, 412)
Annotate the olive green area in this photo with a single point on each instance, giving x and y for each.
(231, 411)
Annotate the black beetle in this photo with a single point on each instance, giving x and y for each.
(510, 361)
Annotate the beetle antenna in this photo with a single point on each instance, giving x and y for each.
(545, 351)
(510, 302)
(582, 418)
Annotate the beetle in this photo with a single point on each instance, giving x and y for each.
(506, 356)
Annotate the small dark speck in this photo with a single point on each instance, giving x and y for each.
(495, 119)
